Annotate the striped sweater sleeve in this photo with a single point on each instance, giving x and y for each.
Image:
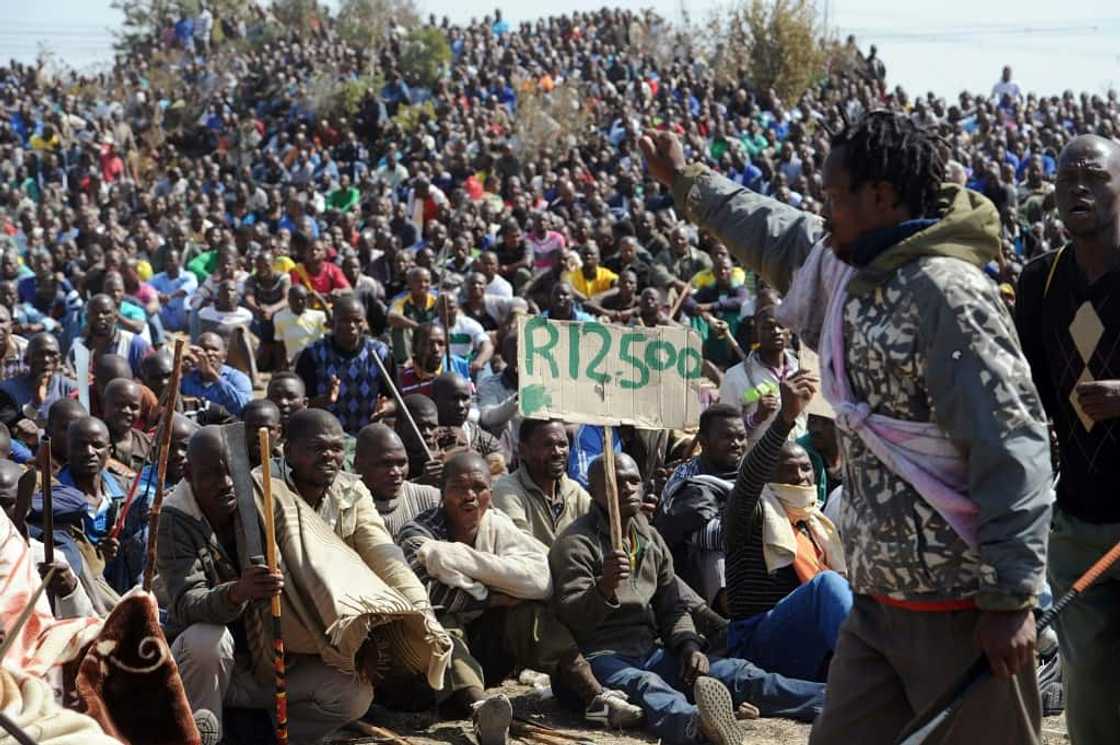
(750, 588)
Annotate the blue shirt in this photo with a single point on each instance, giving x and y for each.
(96, 522)
(168, 286)
(231, 390)
(587, 447)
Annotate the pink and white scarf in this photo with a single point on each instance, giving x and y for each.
(918, 452)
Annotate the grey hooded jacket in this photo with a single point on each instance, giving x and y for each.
(927, 339)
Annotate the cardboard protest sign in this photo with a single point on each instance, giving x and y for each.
(596, 373)
(807, 359)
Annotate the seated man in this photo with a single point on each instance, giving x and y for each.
(214, 618)
(130, 447)
(260, 412)
(156, 371)
(212, 379)
(539, 496)
(619, 603)
(452, 396)
(31, 394)
(688, 514)
(325, 502)
(287, 391)
(70, 599)
(127, 568)
(110, 367)
(101, 335)
(313, 456)
(490, 579)
(784, 595)
(382, 463)
(429, 359)
(419, 446)
(87, 500)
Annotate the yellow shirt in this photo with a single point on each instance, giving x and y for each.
(603, 280)
(283, 264)
(707, 278)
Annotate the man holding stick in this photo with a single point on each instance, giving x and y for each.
(211, 611)
(617, 602)
(947, 556)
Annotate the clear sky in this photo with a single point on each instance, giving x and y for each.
(944, 46)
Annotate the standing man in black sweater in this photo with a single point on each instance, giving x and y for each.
(1068, 316)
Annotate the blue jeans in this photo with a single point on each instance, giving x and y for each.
(654, 683)
(796, 636)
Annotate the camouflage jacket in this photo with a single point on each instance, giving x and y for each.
(927, 339)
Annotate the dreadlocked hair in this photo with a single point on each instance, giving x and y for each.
(883, 146)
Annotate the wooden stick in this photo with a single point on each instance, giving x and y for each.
(927, 722)
(443, 317)
(612, 487)
(524, 725)
(48, 499)
(676, 309)
(381, 733)
(270, 553)
(161, 470)
(400, 403)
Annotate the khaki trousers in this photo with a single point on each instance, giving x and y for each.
(321, 699)
(891, 663)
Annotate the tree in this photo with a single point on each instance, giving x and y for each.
(425, 54)
(779, 44)
(364, 24)
(297, 15)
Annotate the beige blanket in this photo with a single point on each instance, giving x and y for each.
(29, 702)
(332, 601)
(503, 558)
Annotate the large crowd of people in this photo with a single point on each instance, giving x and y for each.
(351, 282)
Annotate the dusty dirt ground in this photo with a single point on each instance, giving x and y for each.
(424, 729)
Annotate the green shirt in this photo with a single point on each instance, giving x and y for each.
(343, 200)
(203, 265)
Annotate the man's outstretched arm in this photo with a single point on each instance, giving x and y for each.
(767, 236)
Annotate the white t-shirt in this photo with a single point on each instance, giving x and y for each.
(299, 332)
(466, 337)
(499, 286)
(1008, 88)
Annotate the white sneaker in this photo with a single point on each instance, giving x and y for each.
(717, 713)
(492, 717)
(209, 728)
(612, 709)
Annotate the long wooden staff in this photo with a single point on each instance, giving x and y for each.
(270, 553)
(443, 317)
(48, 500)
(676, 309)
(611, 483)
(400, 403)
(161, 470)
